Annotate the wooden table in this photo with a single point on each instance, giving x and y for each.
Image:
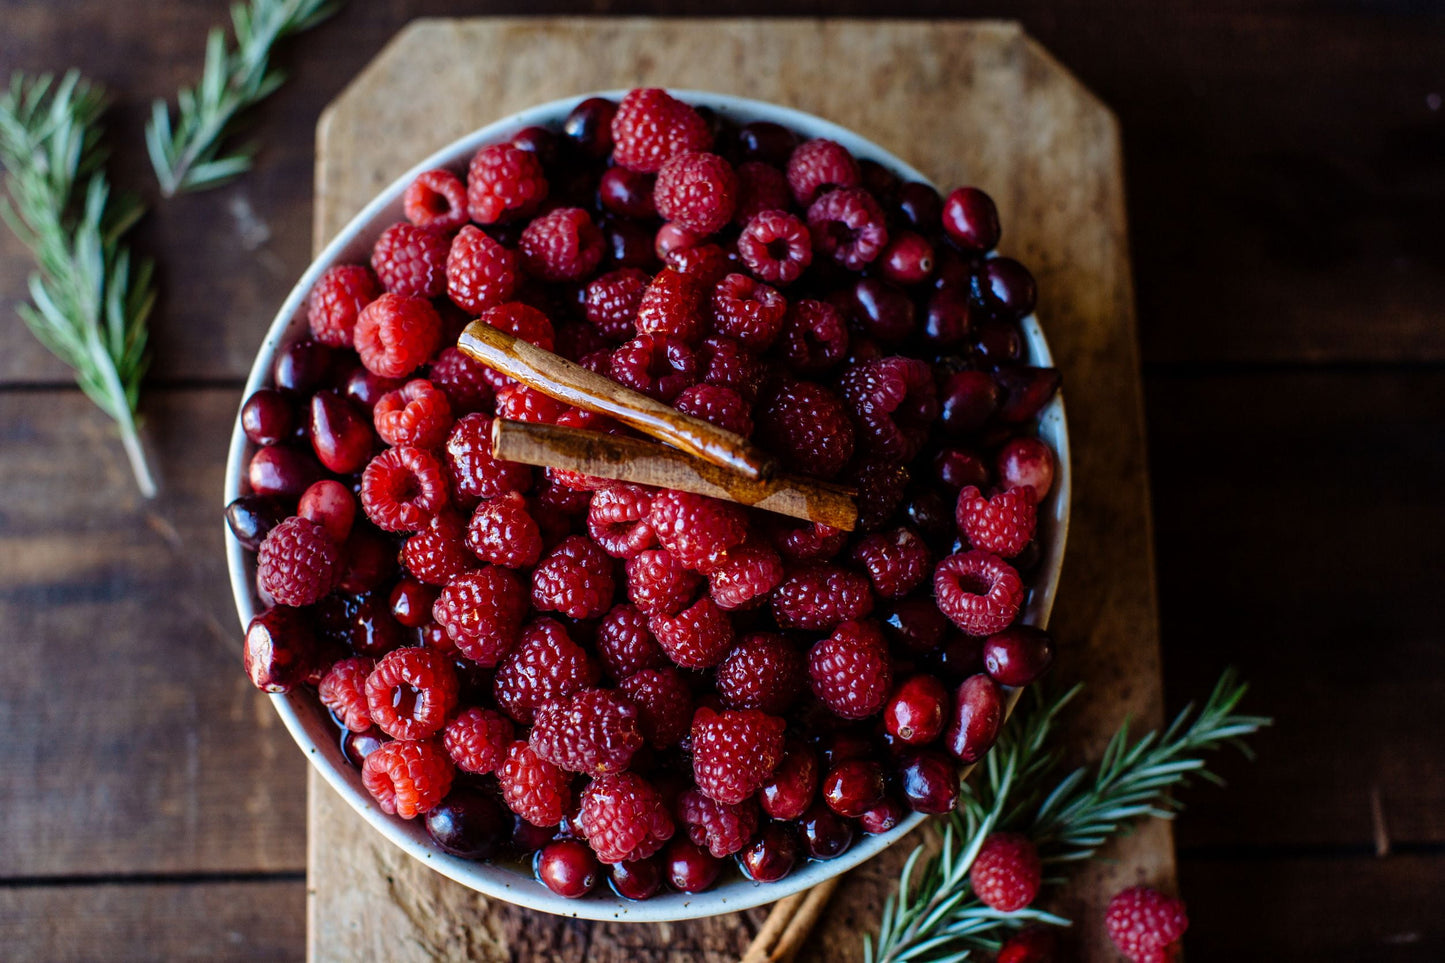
(1285, 167)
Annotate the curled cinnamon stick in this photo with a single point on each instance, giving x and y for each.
(645, 463)
(561, 379)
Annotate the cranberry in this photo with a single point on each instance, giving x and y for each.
(969, 399)
(915, 624)
(356, 746)
(841, 746)
(825, 833)
(637, 880)
(920, 206)
(340, 435)
(1026, 461)
(630, 244)
(772, 855)
(330, 504)
(469, 824)
(930, 782)
(673, 237)
(1025, 391)
(1008, 287)
(527, 838)
(977, 716)
(690, 868)
(1018, 655)
(854, 787)
(540, 141)
(766, 142)
(411, 602)
(932, 515)
(567, 867)
(626, 192)
(1000, 342)
(279, 647)
(790, 789)
(370, 559)
(251, 517)
(267, 417)
(907, 259)
(918, 710)
(883, 309)
(971, 219)
(589, 126)
(301, 366)
(282, 471)
(948, 319)
(364, 389)
(373, 630)
(879, 181)
(960, 656)
(882, 817)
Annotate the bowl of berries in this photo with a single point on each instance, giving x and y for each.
(585, 689)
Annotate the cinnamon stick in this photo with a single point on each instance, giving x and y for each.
(788, 925)
(554, 375)
(646, 463)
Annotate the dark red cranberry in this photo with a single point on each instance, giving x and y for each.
(969, 399)
(373, 630)
(626, 192)
(908, 258)
(250, 517)
(1025, 391)
(920, 206)
(930, 782)
(356, 746)
(527, 839)
(879, 181)
(1001, 342)
(672, 237)
(341, 436)
(841, 746)
(772, 855)
(958, 468)
(1018, 655)
(629, 244)
(790, 789)
(411, 602)
(267, 417)
(1008, 287)
(766, 142)
(883, 309)
(854, 787)
(301, 366)
(470, 824)
(948, 319)
(977, 716)
(971, 219)
(568, 868)
(825, 833)
(915, 624)
(364, 389)
(882, 817)
(589, 126)
(932, 515)
(960, 656)
(279, 647)
(370, 559)
(331, 505)
(282, 471)
(540, 141)
(690, 869)
(1026, 461)
(638, 880)
(918, 711)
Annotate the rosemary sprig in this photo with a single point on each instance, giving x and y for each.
(90, 303)
(187, 155)
(937, 917)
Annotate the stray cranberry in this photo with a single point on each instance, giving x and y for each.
(469, 824)
(766, 142)
(282, 471)
(948, 318)
(589, 126)
(1026, 461)
(825, 833)
(1008, 287)
(883, 309)
(969, 399)
(340, 435)
(1018, 655)
(920, 206)
(908, 258)
(772, 855)
(690, 868)
(930, 782)
(627, 192)
(977, 716)
(267, 417)
(854, 787)
(971, 219)
(411, 602)
(958, 468)
(882, 817)
(915, 624)
(251, 517)
(918, 710)
(301, 366)
(637, 880)
(330, 504)
(568, 868)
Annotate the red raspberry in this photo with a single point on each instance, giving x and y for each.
(776, 246)
(809, 542)
(820, 596)
(848, 226)
(723, 829)
(850, 672)
(675, 305)
(697, 529)
(524, 403)
(395, 334)
(745, 576)
(697, 191)
(474, 472)
(1003, 524)
(979, 591)
(659, 584)
(477, 739)
(612, 300)
(557, 504)
(881, 485)
(1006, 873)
(721, 406)
(503, 532)
(436, 554)
(407, 778)
(562, 245)
(545, 665)
(789, 791)
(624, 818)
(482, 612)
(402, 488)
(727, 364)
(897, 562)
(763, 671)
(626, 644)
(894, 405)
(734, 753)
(650, 127)
(706, 262)
(749, 311)
(336, 301)
(504, 181)
(463, 381)
(575, 579)
(695, 638)
(533, 788)
(807, 426)
(298, 562)
(814, 337)
(411, 692)
(1034, 944)
(664, 704)
(656, 366)
(416, 415)
(481, 273)
(1145, 924)
(820, 165)
(618, 520)
(594, 731)
(343, 690)
(761, 187)
(411, 260)
(436, 200)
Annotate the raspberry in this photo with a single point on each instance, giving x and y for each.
(407, 778)
(411, 261)
(1003, 524)
(706, 262)
(402, 488)
(894, 405)
(664, 704)
(807, 426)
(611, 302)
(524, 403)
(820, 596)
(624, 818)
(850, 672)
(1006, 873)
(761, 187)
(337, 300)
(776, 246)
(748, 311)
(563, 245)
(482, 612)
(721, 406)
(809, 542)
(436, 554)
(819, 165)
(545, 665)
(503, 532)
(723, 829)
(626, 644)
(477, 739)
(658, 367)
(298, 562)
(763, 671)
(533, 788)
(416, 415)
(595, 731)
(734, 753)
(727, 364)
(789, 791)
(695, 638)
(557, 503)
(1034, 944)
(1145, 924)
(745, 576)
(618, 519)
(881, 485)
(575, 579)
(848, 226)
(814, 337)
(343, 690)
(436, 200)
(979, 591)
(463, 381)
(396, 333)
(650, 127)
(411, 692)
(659, 584)
(474, 472)
(481, 273)
(504, 181)
(697, 529)
(897, 562)
(675, 305)
(697, 191)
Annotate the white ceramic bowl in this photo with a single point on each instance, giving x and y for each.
(304, 715)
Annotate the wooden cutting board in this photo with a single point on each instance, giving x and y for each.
(967, 103)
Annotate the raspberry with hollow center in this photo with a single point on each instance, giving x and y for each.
(463, 381)
(1007, 872)
(343, 690)
(436, 200)
(411, 260)
(761, 187)
(594, 731)
(724, 829)
(1003, 524)
(482, 613)
(696, 529)
(533, 788)
(850, 671)
(612, 300)
(298, 562)
(437, 554)
(407, 778)
(807, 542)
(474, 472)
(820, 596)
(659, 584)
(520, 402)
(651, 127)
(617, 520)
(721, 406)
(402, 488)
(807, 426)
(562, 245)
(481, 273)
(336, 301)
(411, 692)
(396, 333)
(848, 226)
(659, 367)
(894, 405)
(978, 591)
(625, 642)
(416, 415)
(544, 665)
(763, 671)
(1145, 924)
(503, 532)
(477, 739)
(695, 638)
(776, 246)
(745, 576)
(897, 562)
(734, 752)
(575, 579)
(675, 306)
(624, 818)
(502, 182)
(697, 191)
(819, 165)
(814, 337)
(664, 704)
(748, 311)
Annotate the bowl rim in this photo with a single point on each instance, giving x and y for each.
(301, 713)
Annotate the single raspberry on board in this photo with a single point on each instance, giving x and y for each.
(979, 591)
(819, 165)
(821, 595)
(763, 671)
(533, 788)
(721, 406)
(664, 704)
(807, 426)
(437, 553)
(504, 533)
(504, 182)
(659, 584)
(575, 579)
(402, 488)
(474, 472)
(336, 301)
(396, 333)
(593, 731)
(734, 752)
(695, 638)
(482, 612)
(894, 405)
(343, 690)
(411, 692)
(848, 226)
(748, 311)
(612, 300)
(544, 665)
(659, 367)
(1003, 524)
(776, 246)
(1007, 873)
(745, 576)
(411, 260)
(1145, 924)
(416, 415)
(651, 127)
(624, 818)
(897, 562)
(675, 305)
(562, 245)
(723, 829)
(477, 739)
(626, 644)
(436, 200)
(697, 191)
(481, 273)
(697, 529)
(407, 778)
(298, 562)
(850, 671)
